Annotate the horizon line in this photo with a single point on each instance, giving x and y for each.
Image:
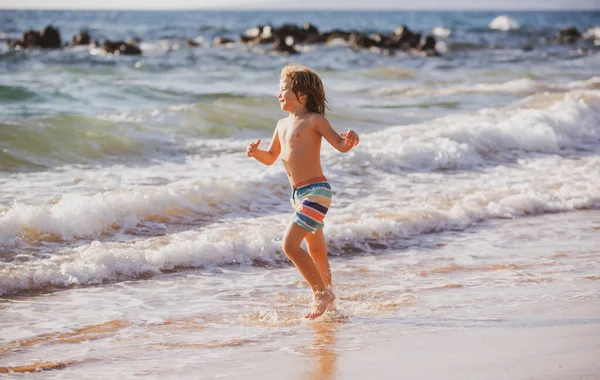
(307, 10)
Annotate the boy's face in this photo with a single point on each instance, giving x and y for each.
(287, 99)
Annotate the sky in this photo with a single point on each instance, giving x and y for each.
(303, 4)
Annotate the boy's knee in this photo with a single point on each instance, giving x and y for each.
(288, 246)
(318, 253)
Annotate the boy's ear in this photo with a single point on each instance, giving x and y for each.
(301, 97)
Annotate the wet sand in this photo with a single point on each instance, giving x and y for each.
(550, 341)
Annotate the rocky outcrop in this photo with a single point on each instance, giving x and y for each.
(120, 48)
(218, 41)
(568, 36)
(401, 39)
(285, 45)
(47, 38)
(83, 38)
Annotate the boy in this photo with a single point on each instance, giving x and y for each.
(298, 139)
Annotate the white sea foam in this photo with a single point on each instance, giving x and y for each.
(532, 186)
(504, 23)
(592, 33)
(80, 216)
(466, 141)
(522, 86)
(442, 32)
(211, 188)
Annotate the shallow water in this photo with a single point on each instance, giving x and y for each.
(134, 230)
(211, 323)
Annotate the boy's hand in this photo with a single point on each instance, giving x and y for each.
(350, 138)
(252, 147)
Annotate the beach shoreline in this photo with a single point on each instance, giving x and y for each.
(511, 308)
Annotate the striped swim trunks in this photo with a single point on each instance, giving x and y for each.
(311, 200)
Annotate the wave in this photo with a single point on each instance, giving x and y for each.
(58, 140)
(46, 142)
(382, 220)
(504, 23)
(544, 125)
(559, 124)
(76, 216)
(523, 86)
(11, 94)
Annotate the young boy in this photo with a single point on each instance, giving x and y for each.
(298, 139)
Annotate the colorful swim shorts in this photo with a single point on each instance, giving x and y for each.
(311, 200)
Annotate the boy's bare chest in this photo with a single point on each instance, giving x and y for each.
(295, 133)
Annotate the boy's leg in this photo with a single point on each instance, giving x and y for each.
(301, 259)
(323, 297)
(317, 248)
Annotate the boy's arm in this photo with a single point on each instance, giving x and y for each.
(269, 156)
(342, 142)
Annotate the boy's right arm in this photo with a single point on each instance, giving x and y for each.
(269, 156)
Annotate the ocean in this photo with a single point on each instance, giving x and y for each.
(137, 239)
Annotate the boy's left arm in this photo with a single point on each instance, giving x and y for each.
(342, 142)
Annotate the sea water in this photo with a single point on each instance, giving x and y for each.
(133, 228)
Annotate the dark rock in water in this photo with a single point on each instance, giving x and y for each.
(264, 34)
(83, 38)
(404, 39)
(401, 39)
(568, 35)
(218, 41)
(47, 38)
(337, 34)
(361, 41)
(316, 39)
(120, 48)
(528, 47)
(133, 41)
(310, 29)
(429, 43)
(50, 38)
(192, 43)
(285, 45)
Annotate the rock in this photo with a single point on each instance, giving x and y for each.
(50, 38)
(218, 41)
(251, 34)
(47, 38)
(428, 44)
(403, 38)
(263, 34)
(361, 41)
(83, 38)
(337, 34)
(568, 36)
(133, 41)
(120, 48)
(285, 45)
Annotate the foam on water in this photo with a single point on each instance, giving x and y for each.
(522, 86)
(467, 141)
(535, 186)
(513, 161)
(504, 23)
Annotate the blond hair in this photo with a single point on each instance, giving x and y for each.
(304, 80)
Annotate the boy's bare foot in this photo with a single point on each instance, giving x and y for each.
(320, 303)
